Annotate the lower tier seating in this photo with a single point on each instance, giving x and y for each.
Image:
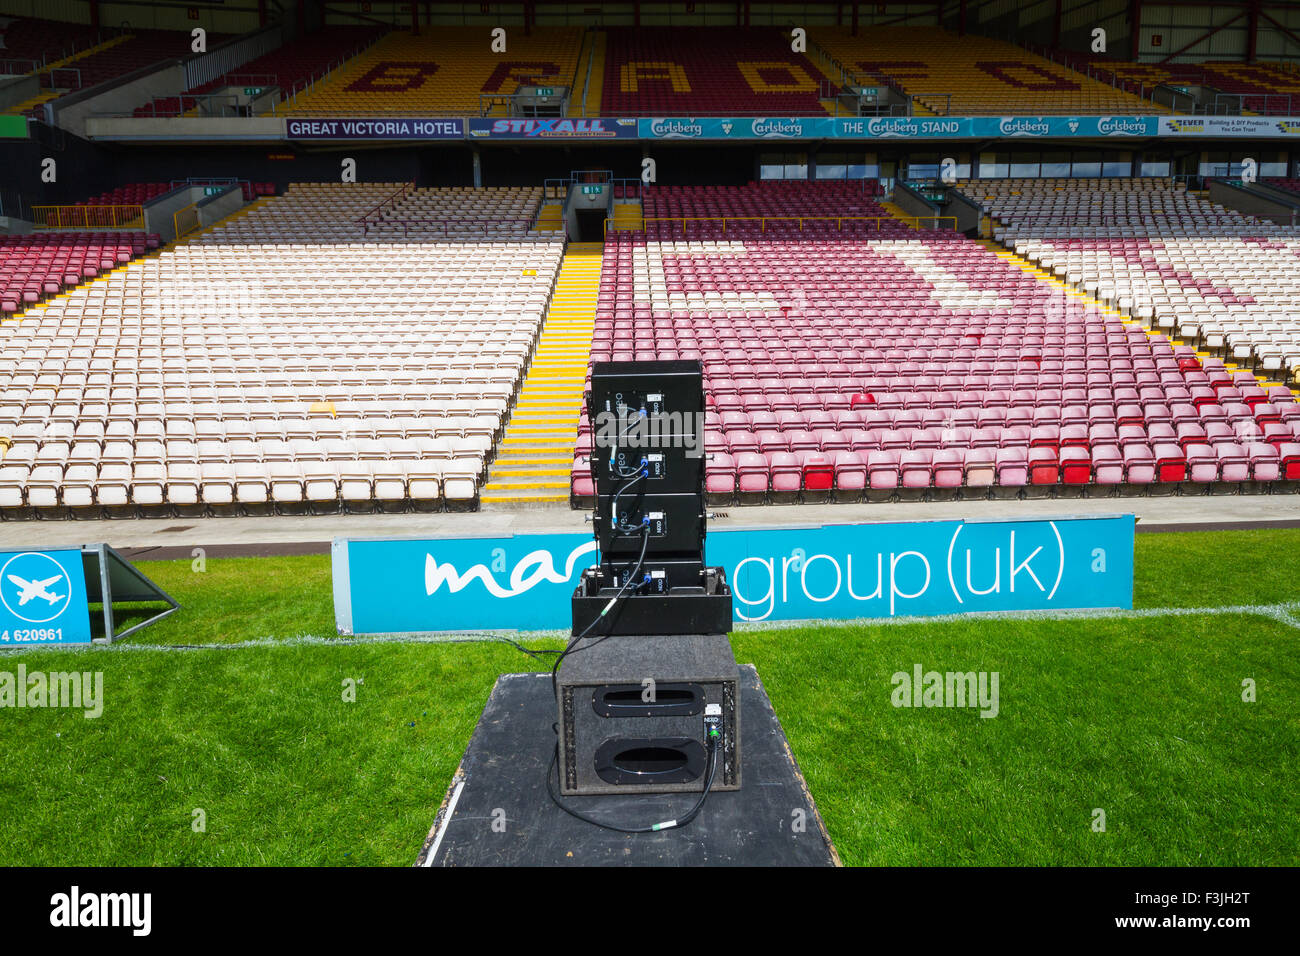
(924, 364)
(284, 360)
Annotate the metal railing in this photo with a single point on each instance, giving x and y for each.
(558, 188)
(88, 217)
(376, 215)
(229, 56)
(309, 84)
(186, 220)
(13, 205)
(1264, 104)
(516, 227)
(18, 67)
(946, 97)
(879, 222)
(72, 74)
(1153, 219)
(211, 104)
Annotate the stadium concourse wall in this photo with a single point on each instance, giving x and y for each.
(1270, 204)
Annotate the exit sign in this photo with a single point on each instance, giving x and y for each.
(545, 91)
(254, 90)
(592, 190)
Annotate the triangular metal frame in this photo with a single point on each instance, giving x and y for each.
(98, 561)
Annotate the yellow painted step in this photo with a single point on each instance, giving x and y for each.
(536, 452)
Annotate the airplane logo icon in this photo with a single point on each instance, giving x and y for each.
(30, 590)
(36, 588)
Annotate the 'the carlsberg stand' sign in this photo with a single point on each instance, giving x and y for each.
(834, 571)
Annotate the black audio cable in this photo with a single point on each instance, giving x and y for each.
(555, 754)
(572, 646)
(652, 828)
(613, 508)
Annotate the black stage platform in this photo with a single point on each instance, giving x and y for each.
(497, 812)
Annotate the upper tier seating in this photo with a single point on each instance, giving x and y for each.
(131, 194)
(715, 71)
(100, 55)
(35, 266)
(984, 76)
(1289, 184)
(1255, 87)
(442, 71)
(1166, 256)
(285, 67)
(283, 359)
(922, 363)
(774, 208)
(1078, 208)
(45, 41)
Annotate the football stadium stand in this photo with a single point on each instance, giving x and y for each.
(717, 71)
(291, 67)
(446, 71)
(71, 57)
(971, 75)
(1289, 184)
(338, 346)
(1168, 257)
(1229, 87)
(33, 267)
(128, 194)
(917, 363)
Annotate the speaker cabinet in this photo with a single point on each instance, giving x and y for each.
(635, 712)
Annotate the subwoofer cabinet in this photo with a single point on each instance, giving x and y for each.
(636, 712)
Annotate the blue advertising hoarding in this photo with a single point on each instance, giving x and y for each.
(897, 127)
(881, 570)
(43, 598)
(787, 127)
(745, 127)
(553, 128)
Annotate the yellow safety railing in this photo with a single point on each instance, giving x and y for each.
(915, 222)
(88, 217)
(187, 220)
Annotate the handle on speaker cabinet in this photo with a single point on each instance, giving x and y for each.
(665, 700)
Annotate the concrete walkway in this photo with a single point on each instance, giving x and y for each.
(288, 534)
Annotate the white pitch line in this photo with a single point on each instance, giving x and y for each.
(1284, 613)
(446, 821)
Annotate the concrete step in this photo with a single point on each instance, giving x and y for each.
(512, 500)
(512, 472)
(558, 483)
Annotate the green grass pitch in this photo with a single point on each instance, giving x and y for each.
(1141, 717)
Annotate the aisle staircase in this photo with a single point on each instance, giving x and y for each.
(1067, 289)
(66, 62)
(533, 459)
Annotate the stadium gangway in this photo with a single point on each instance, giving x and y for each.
(49, 75)
(376, 215)
(219, 104)
(558, 187)
(879, 221)
(1081, 218)
(1234, 104)
(309, 84)
(947, 103)
(485, 223)
(127, 217)
(18, 67)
